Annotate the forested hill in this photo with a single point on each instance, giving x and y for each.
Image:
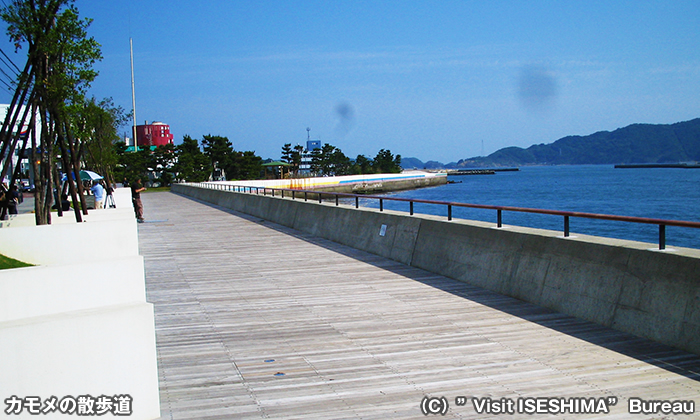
(637, 143)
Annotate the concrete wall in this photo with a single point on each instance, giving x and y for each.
(630, 286)
(77, 323)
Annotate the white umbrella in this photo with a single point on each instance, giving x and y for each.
(90, 176)
(86, 176)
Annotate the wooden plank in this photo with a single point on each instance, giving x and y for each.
(254, 320)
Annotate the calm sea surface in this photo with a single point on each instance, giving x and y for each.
(663, 193)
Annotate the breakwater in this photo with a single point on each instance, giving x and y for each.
(626, 285)
(355, 184)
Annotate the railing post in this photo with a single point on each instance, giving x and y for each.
(566, 226)
(357, 202)
(500, 217)
(306, 196)
(282, 193)
(381, 205)
(411, 207)
(449, 212)
(336, 200)
(294, 194)
(320, 198)
(662, 236)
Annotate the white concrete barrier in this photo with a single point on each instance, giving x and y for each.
(72, 287)
(78, 324)
(71, 243)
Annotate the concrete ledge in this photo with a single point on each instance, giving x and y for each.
(66, 288)
(24, 220)
(626, 285)
(78, 323)
(70, 243)
(105, 351)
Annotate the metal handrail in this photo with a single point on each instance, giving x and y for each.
(662, 223)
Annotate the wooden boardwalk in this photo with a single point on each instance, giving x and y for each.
(255, 320)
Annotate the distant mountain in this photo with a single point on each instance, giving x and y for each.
(636, 143)
(415, 163)
(412, 163)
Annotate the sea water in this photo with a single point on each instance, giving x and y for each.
(660, 193)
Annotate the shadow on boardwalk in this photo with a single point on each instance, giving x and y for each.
(256, 320)
(662, 356)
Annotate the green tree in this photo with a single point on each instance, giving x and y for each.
(133, 165)
(287, 153)
(362, 165)
(329, 160)
(386, 163)
(292, 155)
(57, 74)
(219, 150)
(163, 159)
(96, 125)
(246, 165)
(192, 165)
(296, 158)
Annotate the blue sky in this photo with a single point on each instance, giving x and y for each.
(437, 80)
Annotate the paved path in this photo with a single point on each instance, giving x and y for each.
(255, 320)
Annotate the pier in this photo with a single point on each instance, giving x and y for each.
(257, 320)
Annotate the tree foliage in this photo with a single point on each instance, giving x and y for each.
(55, 78)
(330, 160)
(192, 165)
(219, 150)
(292, 155)
(96, 125)
(245, 165)
(187, 162)
(386, 163)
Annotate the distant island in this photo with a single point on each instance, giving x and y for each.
(634, 144)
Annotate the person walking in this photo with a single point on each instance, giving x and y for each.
(136, 189)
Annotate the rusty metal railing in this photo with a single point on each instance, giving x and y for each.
(320, 195)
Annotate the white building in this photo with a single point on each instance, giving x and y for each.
(305, 165)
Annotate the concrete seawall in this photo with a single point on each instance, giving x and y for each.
(358, 184)
(626, 285)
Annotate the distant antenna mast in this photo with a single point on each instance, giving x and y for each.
(133, 92)
(308, 133)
